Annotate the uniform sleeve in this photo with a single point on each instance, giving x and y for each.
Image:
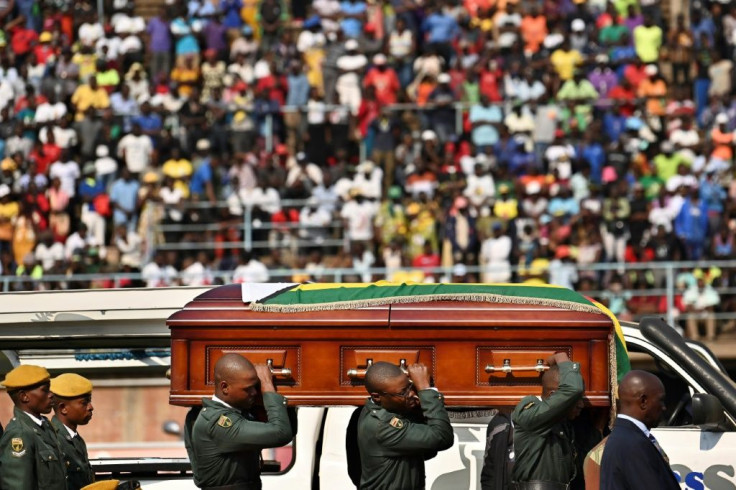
(542, 414)
(17, 472)
(241, 434)
(405, 437)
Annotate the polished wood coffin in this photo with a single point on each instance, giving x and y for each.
(479, 354)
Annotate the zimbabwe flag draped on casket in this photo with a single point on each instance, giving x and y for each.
(345, 296)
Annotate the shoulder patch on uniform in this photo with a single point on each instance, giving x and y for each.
(528, 405)
(224, 421)
(396, 423)
(16, 444)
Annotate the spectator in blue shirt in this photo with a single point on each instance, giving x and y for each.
(204, 181)
(159, 33)
(441, 30)
(297, 97)
(713, 195)
(485, 119)
(691, 225)
(124, 200)
(594, 154)
(231, 12)
(149, 121)
(354, 14)
(700, 25)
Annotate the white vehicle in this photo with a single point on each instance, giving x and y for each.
(698, 433)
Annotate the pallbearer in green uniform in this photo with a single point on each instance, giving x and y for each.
(543, 435)
(226, 440)
(403, 423)
(30, 456)
(72, 408)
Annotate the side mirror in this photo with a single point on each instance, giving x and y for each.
(172, 428)
(708, 412)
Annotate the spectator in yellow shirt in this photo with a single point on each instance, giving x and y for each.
(648, 40)
(9, 211)
(180, 169)
(565, 60)
(89, 95)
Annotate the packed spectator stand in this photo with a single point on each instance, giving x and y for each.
(530, 141)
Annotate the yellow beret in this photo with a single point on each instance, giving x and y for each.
(70, 385)
(102, 485)
(25, 375)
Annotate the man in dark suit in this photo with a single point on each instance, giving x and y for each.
(632, 458)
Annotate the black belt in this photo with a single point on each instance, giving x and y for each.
(237, 486)
(539, 485)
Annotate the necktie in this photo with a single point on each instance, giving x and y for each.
(659, 448)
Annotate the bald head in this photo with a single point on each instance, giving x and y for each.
(231, 366)
(641, 396)
(380, 374)
(236, 381)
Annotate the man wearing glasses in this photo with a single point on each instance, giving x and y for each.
(403, 423)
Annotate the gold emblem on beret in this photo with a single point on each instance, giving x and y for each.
(396, 423)
(224, 421)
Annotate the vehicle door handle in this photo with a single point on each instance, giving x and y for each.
(540, 367)
(278, 372)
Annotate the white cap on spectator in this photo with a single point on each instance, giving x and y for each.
(351, 44)
(366, 167)
(533, 187)
(102, 151)
(443, 78)
(651, 70)
(379, 59)
(123, 25)
(553, 40)
(601, 58)
(578, 25)
(722, 118)
(667, 146)
(428, 135)
(4, 190)
(203, 145)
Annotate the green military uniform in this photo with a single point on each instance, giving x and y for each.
(543, 438)
(79, 471)
(393, 448)
(30, 456)
(224, 444)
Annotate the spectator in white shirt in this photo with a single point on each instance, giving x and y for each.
(67, 170)
(314, 222)
(128, 243)
(700, 301)
(79, 241)
(480, 188)
(358, 214)
(48, 252)
(495, 252)
(136, 150)
(158, 273)
(368, 180)
(250, 269)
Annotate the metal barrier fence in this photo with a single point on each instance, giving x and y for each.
(724, 284)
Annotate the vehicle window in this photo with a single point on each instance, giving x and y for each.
(678, 396)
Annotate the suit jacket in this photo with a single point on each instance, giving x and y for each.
(631, 462)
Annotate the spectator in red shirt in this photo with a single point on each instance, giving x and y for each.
(44, 49)
(426, 261)
(384, 80)
(625, 95)
(491, 76)
(22, 41)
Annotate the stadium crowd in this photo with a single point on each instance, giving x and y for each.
(548, 135)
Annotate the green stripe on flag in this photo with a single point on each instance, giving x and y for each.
(326, 297)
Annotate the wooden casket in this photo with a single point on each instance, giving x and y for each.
(485, 346)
